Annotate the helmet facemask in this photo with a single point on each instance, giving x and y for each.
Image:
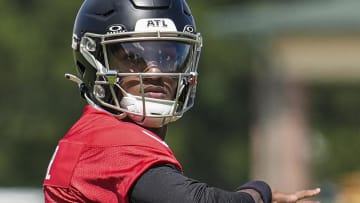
(149, 77)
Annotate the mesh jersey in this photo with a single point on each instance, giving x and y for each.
(100, 158)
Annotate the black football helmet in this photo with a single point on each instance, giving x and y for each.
(115, 39)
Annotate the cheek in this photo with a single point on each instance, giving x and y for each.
(172, 84)
(130, 85)
(174, 87)
(134, 90)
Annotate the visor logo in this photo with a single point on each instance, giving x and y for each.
(116, 29)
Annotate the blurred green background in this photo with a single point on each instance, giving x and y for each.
(213, 140)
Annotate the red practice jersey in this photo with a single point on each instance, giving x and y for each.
(100, 158)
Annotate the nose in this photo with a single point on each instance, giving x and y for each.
(152, 67)
(152, 70)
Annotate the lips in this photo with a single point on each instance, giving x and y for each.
(156, 92)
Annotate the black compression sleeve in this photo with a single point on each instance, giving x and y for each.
(261, 187)
(165, 184)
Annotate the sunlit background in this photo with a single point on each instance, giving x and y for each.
(278, 96)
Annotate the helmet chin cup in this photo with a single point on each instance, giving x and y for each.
(149, 112)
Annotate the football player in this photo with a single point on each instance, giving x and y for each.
(137, 68)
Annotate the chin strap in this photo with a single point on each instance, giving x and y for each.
(151, 113)
(156, 107)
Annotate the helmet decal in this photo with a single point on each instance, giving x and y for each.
(155, 24)
(114, 29)
(189, 28)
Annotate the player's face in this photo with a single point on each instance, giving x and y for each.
(159, 87)
(150, 57)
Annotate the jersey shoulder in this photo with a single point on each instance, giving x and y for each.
(99, 128)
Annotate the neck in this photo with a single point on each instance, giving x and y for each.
(161, 132)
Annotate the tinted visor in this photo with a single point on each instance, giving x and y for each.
(135, 57)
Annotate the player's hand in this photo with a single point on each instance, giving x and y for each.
(299, 196)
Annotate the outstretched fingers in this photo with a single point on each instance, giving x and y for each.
(279, 197)
(307, 193)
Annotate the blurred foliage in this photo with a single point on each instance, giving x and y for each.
(335, 116)
(36, 104)
(212, 140)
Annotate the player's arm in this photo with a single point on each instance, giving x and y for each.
(166, 184)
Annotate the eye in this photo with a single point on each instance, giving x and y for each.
(132, 56)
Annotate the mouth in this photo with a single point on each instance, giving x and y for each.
(155, 92)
